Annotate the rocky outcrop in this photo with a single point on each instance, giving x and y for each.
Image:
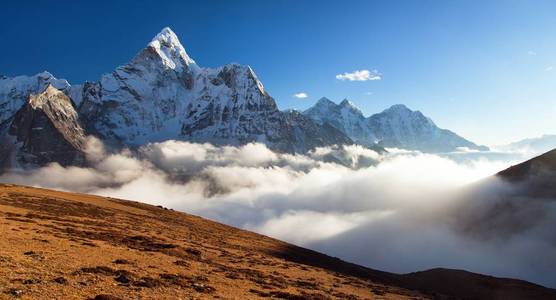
(15, 91)
(46, 129)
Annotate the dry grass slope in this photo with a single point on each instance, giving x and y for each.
(58, 245)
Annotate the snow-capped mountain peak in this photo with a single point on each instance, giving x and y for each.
(404, 114)
(347, 102)
(15, 91)
(345, 117)
(168, 47)
(162, 94)
(401, 127)
(398, 107)
(325, 102)
(348, 105)
(397, 126)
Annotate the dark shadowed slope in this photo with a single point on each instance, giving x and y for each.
(512, 201)
(467, 285)
(58, 245)
(535, 176)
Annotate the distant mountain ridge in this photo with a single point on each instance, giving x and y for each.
(345, 117)
(535, 145)
(395, 127)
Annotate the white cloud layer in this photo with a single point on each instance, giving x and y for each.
(360, 75)
(300, 95)
(400, 211)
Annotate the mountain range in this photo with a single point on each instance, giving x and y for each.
(162, 94)
(536, 145)
(395, 127)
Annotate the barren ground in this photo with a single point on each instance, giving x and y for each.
(57, 245)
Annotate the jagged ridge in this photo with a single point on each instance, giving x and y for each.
(162, 94)
(397, 126)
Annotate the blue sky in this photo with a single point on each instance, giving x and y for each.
(485, 69)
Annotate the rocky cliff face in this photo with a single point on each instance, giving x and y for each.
(15, 91)
(46, 129)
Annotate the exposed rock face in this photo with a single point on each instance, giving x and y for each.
(397, 126)
(15, 91)
(298, 133)
(44, 130)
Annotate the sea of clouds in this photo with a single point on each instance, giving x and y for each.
(398, 211)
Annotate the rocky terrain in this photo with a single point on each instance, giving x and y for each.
(58, 245)
(44, 130)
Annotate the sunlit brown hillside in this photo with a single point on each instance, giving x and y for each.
(58, 245)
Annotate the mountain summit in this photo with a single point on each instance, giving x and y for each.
(345, 117)
(167, 45)
(162, 94)
(395, 127)
(401, 127)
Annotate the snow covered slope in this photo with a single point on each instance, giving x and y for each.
(400, 127)
(397, 126)
(163, 94)
(345, 117)
(15, 91)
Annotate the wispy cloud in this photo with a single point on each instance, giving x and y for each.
(531, 53)
(300, 95)
(360, 75)
(369, 93)
(549, 68)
